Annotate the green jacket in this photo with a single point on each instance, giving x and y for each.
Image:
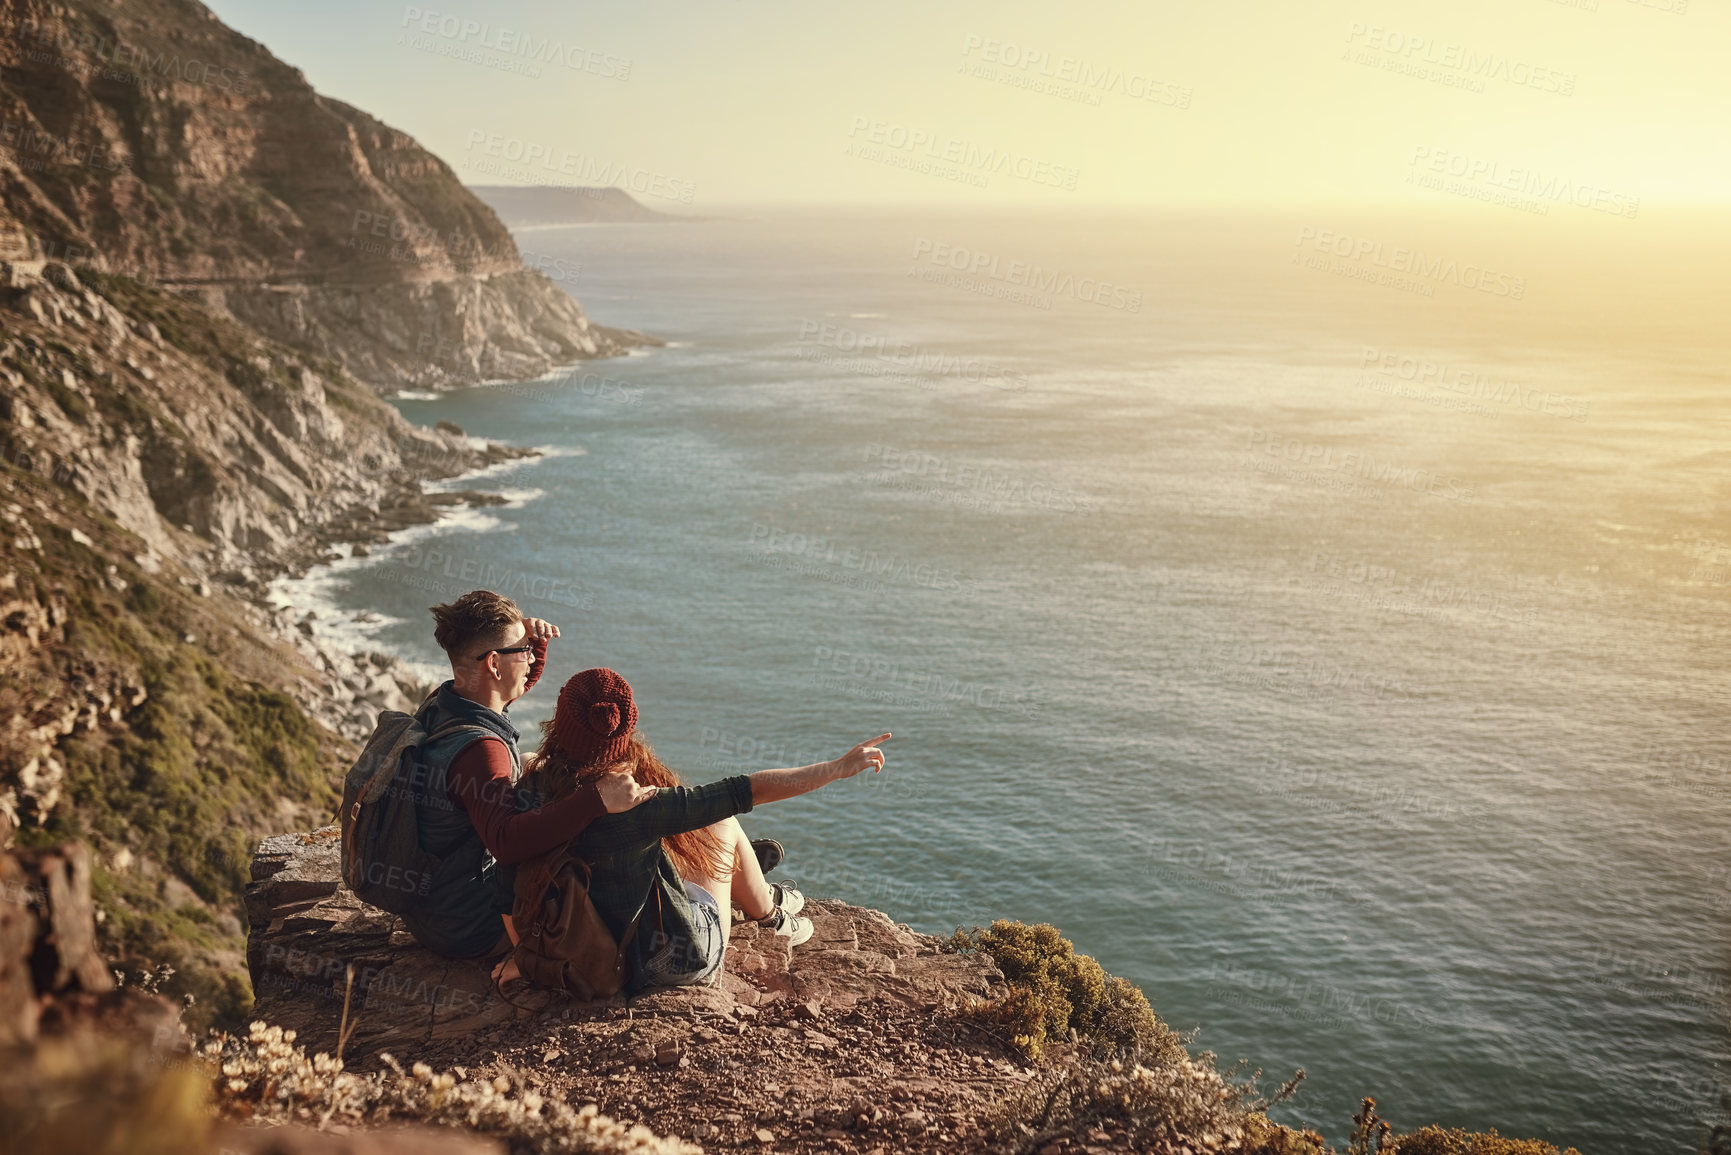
(628, 862)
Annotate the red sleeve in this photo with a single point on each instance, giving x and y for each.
(540, 654)
(480, 782)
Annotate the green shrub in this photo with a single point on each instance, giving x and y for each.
(1370, 1136)
(202, 757)
(1054, 990)
(1167, 1106)
(1447, 1141)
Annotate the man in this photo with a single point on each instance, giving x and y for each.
(468, 811)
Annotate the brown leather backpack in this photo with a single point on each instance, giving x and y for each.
(562, 944)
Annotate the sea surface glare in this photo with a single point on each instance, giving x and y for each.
(1341, 660)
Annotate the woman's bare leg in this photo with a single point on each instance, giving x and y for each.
(742, 882)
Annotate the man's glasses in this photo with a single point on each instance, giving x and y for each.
(508, 650)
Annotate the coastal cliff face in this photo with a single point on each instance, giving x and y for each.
(164, 456)
(161, 463)
(149, 139)
(203, 265)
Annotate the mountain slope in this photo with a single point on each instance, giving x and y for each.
(159, 463)
(150, 139)
(519, 207)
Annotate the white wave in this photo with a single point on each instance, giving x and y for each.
(501, 468)
(319, 592)
(322, 589)
(470, 520)
(518, 498)
(416, 395)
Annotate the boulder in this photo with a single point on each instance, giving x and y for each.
(313, 944)
(47, 937)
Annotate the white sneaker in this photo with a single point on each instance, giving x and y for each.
(791, 926)
(788, 899)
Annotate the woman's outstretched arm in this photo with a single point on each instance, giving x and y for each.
(774, 785)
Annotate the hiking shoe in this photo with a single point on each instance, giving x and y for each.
(789, 925)
(769, 853)
(788, 900)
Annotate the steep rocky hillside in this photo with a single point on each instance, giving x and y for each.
(148, 138)
(160, 463)
(203, 266)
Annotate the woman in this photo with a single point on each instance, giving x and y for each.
(680, 860)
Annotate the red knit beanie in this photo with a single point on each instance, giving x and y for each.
(595, 717)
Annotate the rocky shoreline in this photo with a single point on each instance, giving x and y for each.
(357, 685)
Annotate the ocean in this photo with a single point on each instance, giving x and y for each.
(1321, 619)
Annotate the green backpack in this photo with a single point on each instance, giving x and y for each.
(382, 859)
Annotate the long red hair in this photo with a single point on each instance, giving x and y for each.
(697, 853)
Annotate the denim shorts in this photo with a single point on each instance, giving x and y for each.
(682, 962)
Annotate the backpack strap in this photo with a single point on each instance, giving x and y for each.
(631, 931)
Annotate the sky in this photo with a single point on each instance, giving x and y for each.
(1091, 104)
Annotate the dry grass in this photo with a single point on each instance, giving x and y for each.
(265, 1077)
